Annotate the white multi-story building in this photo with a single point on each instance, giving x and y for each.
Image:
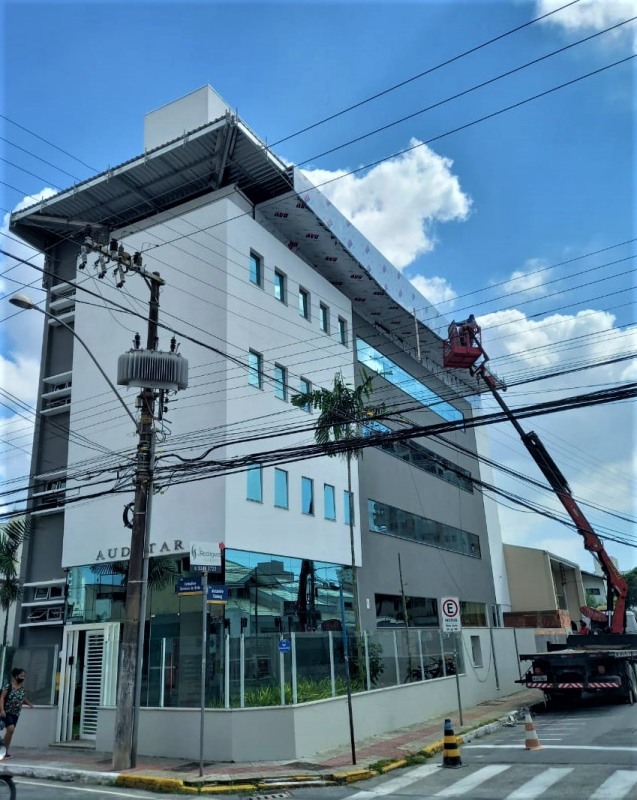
(276, 292)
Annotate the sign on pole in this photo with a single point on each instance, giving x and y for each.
(450, 614)
(205, 557)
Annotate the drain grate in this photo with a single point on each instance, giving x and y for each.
(274, 796)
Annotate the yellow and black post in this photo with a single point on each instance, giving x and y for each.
(450, 750)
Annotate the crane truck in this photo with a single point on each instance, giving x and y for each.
(606, 659)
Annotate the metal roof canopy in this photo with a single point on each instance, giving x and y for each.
(226, 153)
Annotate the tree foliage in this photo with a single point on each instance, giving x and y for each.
(343, 411)
(12, 536)
(631, 578)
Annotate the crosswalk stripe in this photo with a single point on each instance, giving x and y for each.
(539, 784)
(617, 786)
(471, 781)
(395, 784)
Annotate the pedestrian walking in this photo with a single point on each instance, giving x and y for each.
(12, 698)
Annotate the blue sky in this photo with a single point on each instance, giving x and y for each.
(475, 216)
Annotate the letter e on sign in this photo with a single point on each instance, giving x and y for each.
(450, 614)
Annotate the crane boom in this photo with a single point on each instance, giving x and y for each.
(463, 349)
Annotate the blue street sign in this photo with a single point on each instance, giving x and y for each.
(217, 594)
(188, 586)
(285, 646)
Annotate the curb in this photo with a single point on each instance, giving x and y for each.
(212, 786)
(64, 774)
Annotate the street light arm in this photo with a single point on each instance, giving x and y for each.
(92, 357)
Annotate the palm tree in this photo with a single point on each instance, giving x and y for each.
(161, 571)
(12, 535)
(343, 410)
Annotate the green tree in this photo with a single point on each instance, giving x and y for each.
(343, 410)
(631, 578)
(162, 571)
(12, 535)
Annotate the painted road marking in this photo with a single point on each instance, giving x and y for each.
(67, 787)
(549, 747)
(471, 781)
(396, 784)
(536, 786)
(617, 786)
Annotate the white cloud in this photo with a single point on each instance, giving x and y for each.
(593, 447)
(396, 204)
(436, 290)
(589, 16)
(529, 280)
(19, 349)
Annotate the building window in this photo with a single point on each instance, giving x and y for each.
(281, 488)
(422, 612)
(256, 268)
(348, 505)
(473, 615)
(255, 484)
(476, 651)
(280, 382)
(329, 500)
(394, 521)
(342, 331)
(280, 286)
(305, 387)
(304, 303)
(324, 318)
(255, 369)
(307, 495)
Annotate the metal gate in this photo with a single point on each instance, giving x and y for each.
(89, 674)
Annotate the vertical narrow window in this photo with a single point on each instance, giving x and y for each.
(304, 303)
(255, 484)
(329, 500)
(256, 268)
(280, 382)
(255, 369)
(348, 508)
(305, 387)
(307, 495)
(281, 488)
(324, 318)
(342, 331)
(279, 286)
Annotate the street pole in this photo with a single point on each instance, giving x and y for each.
(124, 746)
(204, 665)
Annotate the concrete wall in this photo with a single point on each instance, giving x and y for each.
(36, 727)
(305, 730)
(530, 580)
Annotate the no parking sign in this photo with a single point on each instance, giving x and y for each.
(450, 614)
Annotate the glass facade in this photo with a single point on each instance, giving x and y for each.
(396, 522)
(422, 458)
(377, 362)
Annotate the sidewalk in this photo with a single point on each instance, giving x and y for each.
(373, 756)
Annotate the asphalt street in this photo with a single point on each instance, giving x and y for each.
(588, 753)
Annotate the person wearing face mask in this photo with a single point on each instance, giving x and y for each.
(12, 698)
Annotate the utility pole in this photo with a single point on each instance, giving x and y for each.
(127, 713)
(155, 373)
